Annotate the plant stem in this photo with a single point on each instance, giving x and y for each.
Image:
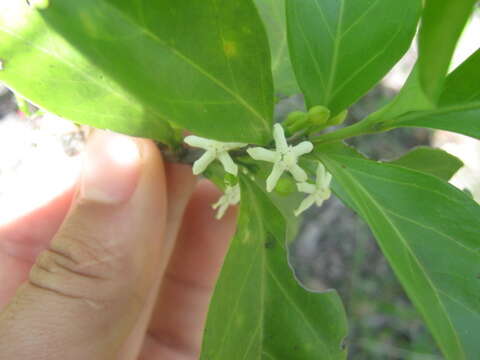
(370, 125)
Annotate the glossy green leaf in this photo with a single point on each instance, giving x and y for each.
(442, 24)
(259, 310)
(410, 98)
(463, 119)
(463, 84)
(459, 106)
(273, 15)
(431, 161)
(341, 48)
(429, 232)
(202, 65)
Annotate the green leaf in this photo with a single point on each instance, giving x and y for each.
(435, 162)
(429, 232)
(462, 85)
(259, 310)
(410, 98)
(463, 119)
(133, 65)
(442, 24)
(341, 48)
(459, 106)
(273, 15)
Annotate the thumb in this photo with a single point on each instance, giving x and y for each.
(87, 290)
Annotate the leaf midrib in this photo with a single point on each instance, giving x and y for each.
(192, 63)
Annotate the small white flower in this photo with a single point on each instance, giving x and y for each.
(214, 150)
(318, 193)
(284, 158)
(231, 197)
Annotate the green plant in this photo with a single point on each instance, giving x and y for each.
(158, 68)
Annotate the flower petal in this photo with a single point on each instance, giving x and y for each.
(221, 211)
(218, 203)
(262, 154)
(319, 201)
(298, 173)
(306, 204)
(303, 148)
(228, 163)
(232, 146)
(328, 179)
(201, 164)
(197, 141)
(306, 188)
(277, 172)
(279, 137)
(320, 171)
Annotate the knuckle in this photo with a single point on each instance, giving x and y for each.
(87, 254)
(47, 274)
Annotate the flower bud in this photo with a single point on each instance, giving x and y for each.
(318, 116)
(296, 121)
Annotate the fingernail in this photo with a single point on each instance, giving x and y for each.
(112, 168)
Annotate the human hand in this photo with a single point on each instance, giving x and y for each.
(130, 272)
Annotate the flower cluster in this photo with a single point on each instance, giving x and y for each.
(285, 158)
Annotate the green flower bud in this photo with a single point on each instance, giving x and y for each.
(296, 121)
(286, 186)
(339, 119)
(294, 117)
(319, 115)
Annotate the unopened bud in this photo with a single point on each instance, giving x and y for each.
(296, 121)
(319, 115)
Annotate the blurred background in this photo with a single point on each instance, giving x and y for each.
(40, 158)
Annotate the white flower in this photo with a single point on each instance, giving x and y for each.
(284, 158)
(214, 150)
(231, 197)
(318, 193)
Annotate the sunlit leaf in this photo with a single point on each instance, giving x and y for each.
(442, 24)
(459, 106)
(131, 66)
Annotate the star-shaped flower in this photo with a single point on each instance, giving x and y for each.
(231, 197)
(284, 158)
(318, 193)
(214, 150)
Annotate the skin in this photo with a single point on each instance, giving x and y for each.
(122, 266)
